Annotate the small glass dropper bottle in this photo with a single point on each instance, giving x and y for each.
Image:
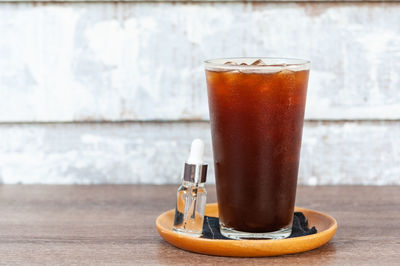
(191, 195)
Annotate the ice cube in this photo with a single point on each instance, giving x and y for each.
(286, 72)
(258, 62)
(231, 63)
(287, 76)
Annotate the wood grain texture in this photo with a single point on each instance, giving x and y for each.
(114, 225)
(332, 153)
(143, 61)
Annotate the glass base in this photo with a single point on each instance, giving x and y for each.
(187, 232)
(234, 234)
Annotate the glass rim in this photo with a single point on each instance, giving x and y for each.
(272, 64)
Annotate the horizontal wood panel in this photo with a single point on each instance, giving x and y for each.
(143, 61)
(332, 153)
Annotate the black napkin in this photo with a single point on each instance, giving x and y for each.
(300, 227)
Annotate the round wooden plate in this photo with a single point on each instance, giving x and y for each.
(325, 224)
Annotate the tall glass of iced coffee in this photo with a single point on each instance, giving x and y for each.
(256, 112)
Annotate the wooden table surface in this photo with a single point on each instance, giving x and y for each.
(52, 225)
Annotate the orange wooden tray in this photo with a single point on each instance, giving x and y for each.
(325, 224)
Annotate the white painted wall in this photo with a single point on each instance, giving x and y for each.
(333, 153)
(69, 62)
(80, 62)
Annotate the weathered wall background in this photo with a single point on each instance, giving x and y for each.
(114, 92)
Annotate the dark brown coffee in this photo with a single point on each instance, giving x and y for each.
(257, 123)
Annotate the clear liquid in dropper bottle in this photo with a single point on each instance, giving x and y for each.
(191, 195)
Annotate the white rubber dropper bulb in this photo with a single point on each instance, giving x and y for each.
(196, 152)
